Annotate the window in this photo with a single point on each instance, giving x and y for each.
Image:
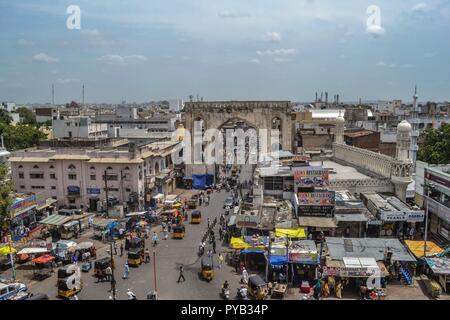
(53, 188)
(21, 175)
(72, 167)
(52, 167)
(22, 187)
(20, 166)
(109, 168)
(37, 187)
(36, 176)
(72, 201)
(52, 176)
(92, 168)
(72, 176)
(126, 168)
(35, 167)
(93, 177)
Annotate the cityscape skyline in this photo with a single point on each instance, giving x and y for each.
(286, 50)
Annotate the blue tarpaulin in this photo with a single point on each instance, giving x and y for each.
(252, 250)
(200, 181)
(278, 260)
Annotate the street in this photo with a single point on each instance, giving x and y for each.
(170, 254)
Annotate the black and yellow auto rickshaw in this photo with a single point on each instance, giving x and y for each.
(257, 287)
(100, 266)
(69, 282)
(196, 217)
(192, 202)
(207, 271)
(135, 257)
(178, 231)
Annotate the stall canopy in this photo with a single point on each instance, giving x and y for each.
(44, 259)
(132, 214)
(290, 233)
(278, 260)
(56, 220)
(238, 243)
(158, 196)
(32, 251)
(439, 265)
(318, 222)
(417, 246)
(7, 250)
(85, 245)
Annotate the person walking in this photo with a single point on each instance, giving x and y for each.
(108, 273)
(209, 222)
(126, 271)
(115, 248)
(147, 255)
(220, 260)
(214, 246)
(220, 234)
(181, 276)
(339, 290)
(121, 249)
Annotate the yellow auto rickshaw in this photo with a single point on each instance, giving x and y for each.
(207, 271)
(69, 282)
(196, 217)
(178, 231)
(135, 257)
(257, 287)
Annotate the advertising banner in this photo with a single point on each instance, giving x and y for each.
(311, 176)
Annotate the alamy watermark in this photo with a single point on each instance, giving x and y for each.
(73, 21)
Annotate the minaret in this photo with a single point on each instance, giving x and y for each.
(339, 129)
(414, 120)
(401, 174)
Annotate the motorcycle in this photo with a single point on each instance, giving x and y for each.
(241, 295)
(201, 250)
(226, 293)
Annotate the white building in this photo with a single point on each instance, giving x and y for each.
(8, 106)
(79, 127)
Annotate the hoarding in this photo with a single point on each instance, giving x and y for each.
(317, 204)
(310, 176)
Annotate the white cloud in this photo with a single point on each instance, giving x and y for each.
(66, 81)
(91, 32)
(277, 52)
(272, 36)
(25, 43)
(281, 60)
(44, 58)
(254, 61)
(375, 30)
(393, 65)
(419, 7)
(116, 59)
(228, 14)
(429, 54)
(381, 64)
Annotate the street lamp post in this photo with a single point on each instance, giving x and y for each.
(113, 280)
(425, 236)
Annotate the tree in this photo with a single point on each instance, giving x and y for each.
(20, 136)
(27, 115)
(5, 117)
(435, 148)
(5, 198)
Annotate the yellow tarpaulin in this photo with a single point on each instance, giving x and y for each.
(7, 250)
(291, 233)
(416, 247)
(238, 243)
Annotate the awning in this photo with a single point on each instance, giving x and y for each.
(7, 250)
(253, 250)
(55, 220)
(321, 222)
(32, 250)
(158, 196)
(291, 233)
(417, 246)
(238, 243)
(350, 217)
(132, 214)
(44, 259)
(439, 265)
(277, 260)
(47, 204)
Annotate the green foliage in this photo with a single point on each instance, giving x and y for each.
(436, 145)
(20, 136)
(5, 117)
(27, 115)
(5, 199)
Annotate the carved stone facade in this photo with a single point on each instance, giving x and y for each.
(256, 114)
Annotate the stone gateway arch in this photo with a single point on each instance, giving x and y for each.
(268, 115)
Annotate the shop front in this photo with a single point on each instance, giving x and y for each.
(303, 261)
(23, 217)
(398, 224)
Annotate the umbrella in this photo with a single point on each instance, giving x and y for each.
(73, 248)
(44, 259)
(7, 250)
(85, 245)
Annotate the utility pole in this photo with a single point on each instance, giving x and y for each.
(113, 280)
(425, 234)
(106, 193)
(10, 250)
(154, 268)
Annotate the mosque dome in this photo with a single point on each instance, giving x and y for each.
(404, 126)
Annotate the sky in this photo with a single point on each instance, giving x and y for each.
(145, 50)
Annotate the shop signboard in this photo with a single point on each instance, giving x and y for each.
(392, 216)
(23, 205)
(415, 216)
(93, 190)
(311, 176)
(316, 204)
(374, 222)
(303, 257)
(357, 272)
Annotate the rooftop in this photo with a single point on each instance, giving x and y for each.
(340, 172)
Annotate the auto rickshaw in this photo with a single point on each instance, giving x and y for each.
(257, 287)
(196, 217)
(100, 266)
(207, 271)
(192, 202)
(135, 257)
(68, 283)
(178, 231)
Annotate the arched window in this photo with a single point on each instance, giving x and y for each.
(126, 168)
(52, 167)
(72, 167)
(109, 168)
(36, 167)
(92, 168)
(20, 166)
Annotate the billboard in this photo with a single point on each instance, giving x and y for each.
(311, 176)
(317, 203)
